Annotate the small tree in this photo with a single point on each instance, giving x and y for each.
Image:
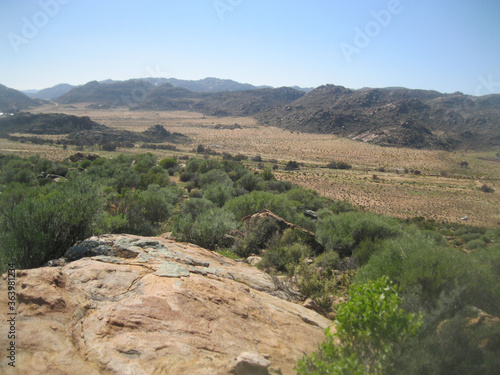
(370, 329)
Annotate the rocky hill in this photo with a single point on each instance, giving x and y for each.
(133, 305)
(81, 130)
(394, 117)
(248, 102)
(119, 93)
(228, 103)
(12, 100)
(169, 98)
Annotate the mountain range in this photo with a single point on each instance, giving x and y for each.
(393, 116)
(208, 84)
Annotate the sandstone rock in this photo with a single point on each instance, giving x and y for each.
(253, 260)
(155, 306)
(249, 363)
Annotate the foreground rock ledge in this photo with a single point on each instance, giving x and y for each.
(156, 306)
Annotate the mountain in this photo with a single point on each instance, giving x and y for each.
(394, 117)
(228, 103)
(12, 100)
(50, 93)
(211, 84)
(246, 103)
(169, 98)
(119, 93)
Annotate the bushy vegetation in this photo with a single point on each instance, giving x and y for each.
(412, 287)
(370, 329)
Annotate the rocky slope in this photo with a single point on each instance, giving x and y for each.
(138, 305)
(12, 100)
(394, 117)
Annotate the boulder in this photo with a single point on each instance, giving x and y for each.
(142, 305)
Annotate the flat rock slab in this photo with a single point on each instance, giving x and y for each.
(162, 307)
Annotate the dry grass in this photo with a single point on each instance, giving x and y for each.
(444, 191)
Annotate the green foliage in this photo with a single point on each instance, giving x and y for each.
(344, 232)
(371, 328)
(40, 224)
(339, 165)
(218, 193)
(258, 233)
(249, 182)
(215, 176)
(267, 174)
(426, 271)
(474, 244)
(307, 199)
(282, 257)
(210, 227)
(256, 201)
(168, 163)
(15, 169)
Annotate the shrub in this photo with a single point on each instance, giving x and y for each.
(256, 201)
(344, 232)
(474, 244)
(210, 227)
(291, 165)
(168, 163)
(267, 175)
(249, 182)
(338, 165)
(367, 345)
(41, 224)
(284, 257)
(486, 189)
(258, 233)
(215, 176)
(218, 193)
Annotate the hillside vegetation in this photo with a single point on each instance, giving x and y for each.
(428, 292)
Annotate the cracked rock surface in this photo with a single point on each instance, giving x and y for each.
(142, 305)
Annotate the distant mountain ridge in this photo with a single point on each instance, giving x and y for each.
(12, 100)
(51, 92)
(394, 117)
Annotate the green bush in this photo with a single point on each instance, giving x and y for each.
(218, 193)
(256, 201)
(41, 223)
(339, 165)
(249, 182)
(344, 232)
(474, 244)
(367, 345)
(470, 236)
(284, 257)
(258, 233)
(210, 227)
(168, 163)
(426, 271)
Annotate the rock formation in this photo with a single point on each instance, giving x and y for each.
(142, 305)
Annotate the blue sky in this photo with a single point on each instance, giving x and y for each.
(445, 45)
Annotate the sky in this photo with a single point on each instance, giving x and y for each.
(445, 45)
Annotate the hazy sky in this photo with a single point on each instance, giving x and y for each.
(446, 45)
